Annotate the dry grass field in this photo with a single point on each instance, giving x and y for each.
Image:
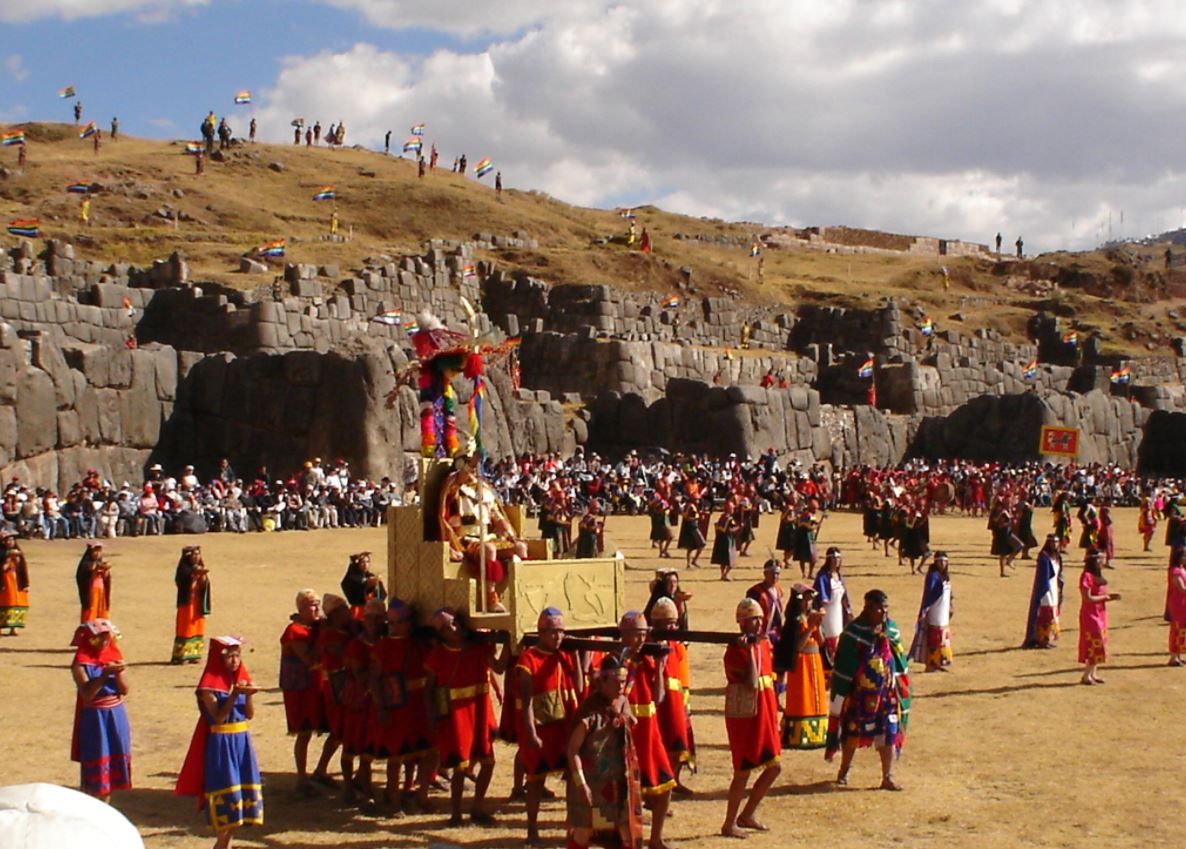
(1005, 750)
(242, 203)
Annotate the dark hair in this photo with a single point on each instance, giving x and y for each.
(875, 597)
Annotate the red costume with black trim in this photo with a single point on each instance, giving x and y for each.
(466, 734)
(753, 740)
(402, 712)
(554, 680)
(300, 682)
(654, 767)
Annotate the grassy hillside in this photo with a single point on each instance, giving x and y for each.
(245, 201)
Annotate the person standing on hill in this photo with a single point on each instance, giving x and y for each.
(498, 184)
(1020, 247)
(77, 111)
(251, 131)
(387, 142)
(317, 132)
(114, 128)
(461, 165)
(998, 245)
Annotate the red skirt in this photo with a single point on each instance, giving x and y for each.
(304, 711)
(654, 767)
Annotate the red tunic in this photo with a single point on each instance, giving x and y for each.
(331, 649)
(360, 730)
(466, 734)
(301, 683)
(753, 740)
(654, 767)
(554, 682)
(402, 718)
(675, 722)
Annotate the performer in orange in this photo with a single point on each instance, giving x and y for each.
(94, 583)
(646, 687)
(674, 712)
(548, 683)
(799, 654)
(459, 670)
(193, 606)
(300, 681)
(751, 720)
(398, 679)
(14, 584)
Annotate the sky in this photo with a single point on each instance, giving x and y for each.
(1059, 121)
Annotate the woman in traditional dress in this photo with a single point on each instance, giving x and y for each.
(1106, 536)
(806, 533)
(14, 585)
(1147, 522)
(93, 577)
(193, 606)
(870, 512)
(1176, 608)
(1060, 505)
(724, 546)
(102, 742)
(788, 529)
(745, 529)
(590, 532)
(798, 653)
(690, 538)
(932, 635)
(1089, 518)
(1005, 545)
(1093, 616)
(220, 767)
(1024, 521)
(914, 537)
(660, 531)
(831, 596)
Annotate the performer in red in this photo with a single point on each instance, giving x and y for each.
(675, 716)
(646, 687)
(548, 683)
(751, 719)
(459, 670)
(401, 704)
(93, 577)
(360, 733)
(332, 639)
(300, 681)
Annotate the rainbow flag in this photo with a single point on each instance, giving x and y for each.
(1122, 375)
(927, 327)
(670, 302)
(68, 91)
(866, 369)
(88, 131)
(413, 145)
(82, 187)
(325, 193)
(390, 317)
(28, 227)
(1070, 338)
(11, 137)
(469, 270)
(483, 168)
(627, 214)
(194, 147)
(755, 249)
(1031, 371)
(243, 97)
(275, 248)
(411, 326)
(418, 130)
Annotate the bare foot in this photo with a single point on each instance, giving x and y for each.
(733, 831)
(842, 779)
(888, 783)
(751, 823)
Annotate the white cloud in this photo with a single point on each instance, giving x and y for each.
(926, 117)
(21, 11)
(14, 65)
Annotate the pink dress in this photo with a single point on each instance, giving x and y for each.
(1093, 621)
(1176, 607)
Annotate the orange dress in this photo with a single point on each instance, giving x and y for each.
(14, 591)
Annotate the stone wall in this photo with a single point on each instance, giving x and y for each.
(571, 364)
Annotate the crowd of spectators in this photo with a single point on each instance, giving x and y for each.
(329, 496)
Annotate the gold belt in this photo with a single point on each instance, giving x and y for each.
(467, 692)
(644, 710)
(228, 728)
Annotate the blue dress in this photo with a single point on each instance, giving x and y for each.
(231, 780)
(104, 739)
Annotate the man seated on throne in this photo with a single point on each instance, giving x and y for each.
(471, 519)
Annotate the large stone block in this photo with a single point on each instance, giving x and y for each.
(36, 413)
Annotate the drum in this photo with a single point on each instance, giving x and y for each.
(944, 494)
